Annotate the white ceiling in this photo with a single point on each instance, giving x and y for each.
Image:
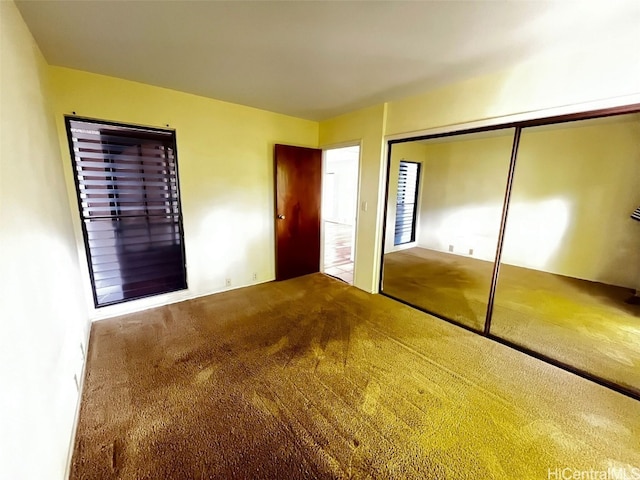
(313, 59)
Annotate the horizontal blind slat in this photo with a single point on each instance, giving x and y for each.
(404, 224)
(128, 192)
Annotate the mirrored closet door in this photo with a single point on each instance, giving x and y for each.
(571, 257)
(554, 200)
(440, 248)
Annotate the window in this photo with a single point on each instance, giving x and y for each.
(407, 199)
(127, 185)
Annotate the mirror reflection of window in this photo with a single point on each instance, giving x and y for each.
(406, 203)
(447, 268)
(568, 283)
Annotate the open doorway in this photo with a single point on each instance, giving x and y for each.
(339, 208)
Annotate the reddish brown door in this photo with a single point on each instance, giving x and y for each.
(298, 173)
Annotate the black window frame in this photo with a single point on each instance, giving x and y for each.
(414, 213)
(172, 207)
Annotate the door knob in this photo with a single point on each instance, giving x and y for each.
(281, 217)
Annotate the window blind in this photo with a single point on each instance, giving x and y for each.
(127, 186)
(407, 197)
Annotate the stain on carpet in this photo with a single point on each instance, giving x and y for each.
(311, 378)
(584, 324)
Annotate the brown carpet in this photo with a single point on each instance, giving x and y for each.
(312, 378)
(585, 324)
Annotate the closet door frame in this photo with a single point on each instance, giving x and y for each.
(518, 126)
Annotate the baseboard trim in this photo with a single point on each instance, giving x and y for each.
(76, 417)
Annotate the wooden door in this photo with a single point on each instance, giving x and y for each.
(298, 177)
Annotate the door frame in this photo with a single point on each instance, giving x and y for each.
(337, 146)
(284, 268)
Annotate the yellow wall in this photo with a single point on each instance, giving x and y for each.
(42, 309)
(566, 79)
(412, 152)
(365, 127)
(225, 161)
(575, 187)
(463, 182)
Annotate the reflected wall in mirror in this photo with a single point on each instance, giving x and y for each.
(446, 266)
(571, 255)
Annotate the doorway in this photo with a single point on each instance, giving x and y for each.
(339, 210)
(298, 178)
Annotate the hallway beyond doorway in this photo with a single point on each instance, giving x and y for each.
(339, 208)
(338, 251)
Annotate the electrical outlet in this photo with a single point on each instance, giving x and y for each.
(255, 276)
(451, 248)
(227, 282)
(471, 251)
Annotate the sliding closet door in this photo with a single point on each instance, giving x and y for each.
(571, 257)
(446, 267)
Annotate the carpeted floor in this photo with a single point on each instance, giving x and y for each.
(312, 378)
(581, 323)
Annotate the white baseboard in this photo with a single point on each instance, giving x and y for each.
(76, 417)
